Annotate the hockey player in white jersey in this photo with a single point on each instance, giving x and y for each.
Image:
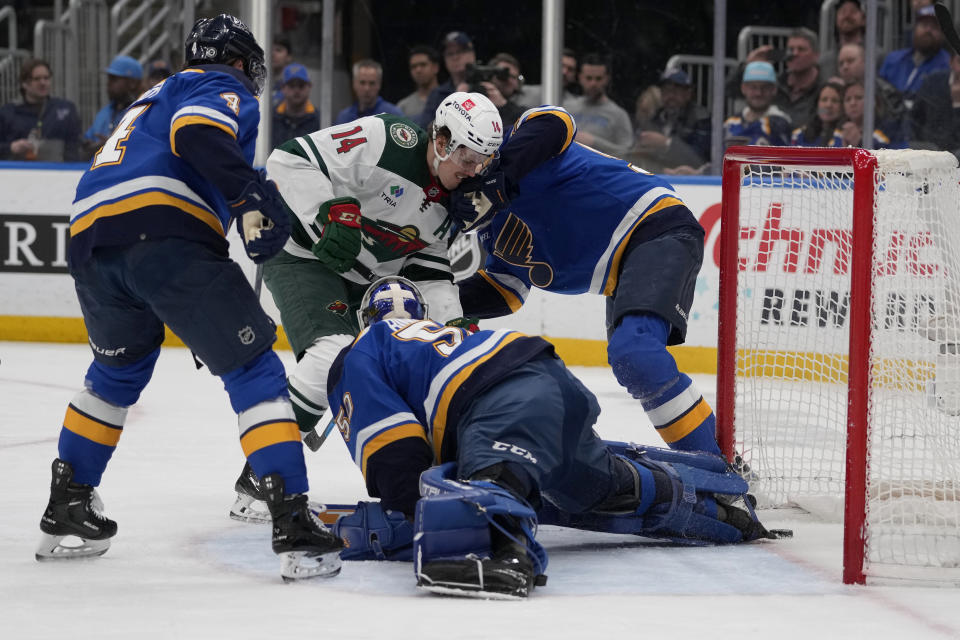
(367, 199)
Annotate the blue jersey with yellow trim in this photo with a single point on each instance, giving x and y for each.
(566, 228)
(411, 379)
(138, 186)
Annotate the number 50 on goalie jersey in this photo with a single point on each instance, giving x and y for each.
(397, 393)
(138, 186)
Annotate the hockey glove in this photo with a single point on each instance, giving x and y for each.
(475, 203)
(263, 221)
(339, 243)
(470, 324)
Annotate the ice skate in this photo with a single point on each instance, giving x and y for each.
(307, 549)
(249, 505)
(72, 524)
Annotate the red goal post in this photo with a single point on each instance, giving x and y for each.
(836, 267)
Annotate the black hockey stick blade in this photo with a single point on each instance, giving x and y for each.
(947, 26)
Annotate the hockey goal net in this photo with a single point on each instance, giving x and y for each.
(839, 346)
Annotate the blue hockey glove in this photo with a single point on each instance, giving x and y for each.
(263, 220)
(370, 533)
(477, 200)
(339, 243)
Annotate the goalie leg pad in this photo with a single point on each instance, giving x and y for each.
(370, 533)
(692, 516)
(475, 538)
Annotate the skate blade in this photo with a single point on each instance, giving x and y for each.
(303, 565)
(249, 509)
(53, 547)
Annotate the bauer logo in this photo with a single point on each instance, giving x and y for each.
(34, 243)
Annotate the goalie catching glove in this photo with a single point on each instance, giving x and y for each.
(339, 243)
(263, 221)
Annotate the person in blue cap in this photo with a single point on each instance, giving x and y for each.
(295, 116)
(761, 122)
(123, 85)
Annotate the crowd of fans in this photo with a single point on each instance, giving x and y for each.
(817, 100)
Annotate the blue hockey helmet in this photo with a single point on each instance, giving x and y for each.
(223, 39)
(391, 297)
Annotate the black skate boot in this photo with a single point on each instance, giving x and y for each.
(307, 549)
(73, 510)
(249, 505)
(507, 575)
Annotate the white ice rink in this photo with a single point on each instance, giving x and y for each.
(180, 568)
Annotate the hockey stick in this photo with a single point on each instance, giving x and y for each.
(258, 280)
(947, 26)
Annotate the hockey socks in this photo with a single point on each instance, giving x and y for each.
(91, 430)
(682, 417)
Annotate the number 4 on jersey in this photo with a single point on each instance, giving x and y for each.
(347, 143)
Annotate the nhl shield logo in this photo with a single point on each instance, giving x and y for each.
(338, 307)
(246, 335)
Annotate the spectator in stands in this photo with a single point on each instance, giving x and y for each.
(905, 69)
(367, 78)
(570, 70)
(295, 116)
(678, 133)
(156, 71)
(935, 117)
(39, 126)
(850, 21)
(513, 86)
(851, 68)
(458, 54)
(502, 89)
(886, 135)
(800, 84)
(424, 66)
(280, 56)
(531, 95)
(124, 76)
(761, 122)
(601, 122)
(797, 96)
(823, 127)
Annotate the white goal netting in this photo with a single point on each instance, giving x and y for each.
(793, 333)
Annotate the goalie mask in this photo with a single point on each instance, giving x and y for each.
(223, 39)
(474, 124)
(391, 297)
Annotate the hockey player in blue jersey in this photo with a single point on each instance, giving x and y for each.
(148, 247)
(511, 429)
(560, 216)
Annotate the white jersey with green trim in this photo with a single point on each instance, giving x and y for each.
(380, 162)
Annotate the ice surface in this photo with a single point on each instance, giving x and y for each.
(180, 568)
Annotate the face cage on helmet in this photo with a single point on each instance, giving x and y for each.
(368, 312)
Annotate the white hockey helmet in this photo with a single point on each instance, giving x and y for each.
(474, 122)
